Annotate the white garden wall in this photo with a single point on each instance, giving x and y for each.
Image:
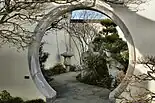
(14, 65)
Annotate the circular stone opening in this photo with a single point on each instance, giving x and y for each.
(33, 54)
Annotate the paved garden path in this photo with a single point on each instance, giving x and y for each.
(69, 90)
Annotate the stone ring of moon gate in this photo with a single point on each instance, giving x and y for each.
(33, 50)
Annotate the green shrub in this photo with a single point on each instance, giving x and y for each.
(72, 68)
(35, 101)
(56, 69)
(96, 71)
(15, 100)
(5, 97)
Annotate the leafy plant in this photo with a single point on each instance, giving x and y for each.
(35, 101)
(96, 71)
(5, 97)
(72, 68)
(56, 69)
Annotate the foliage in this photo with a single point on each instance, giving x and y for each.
(42, 56)
(42, 59)
(110, 42)
(5, 97)
(72, 68)
(144, 94)
(35, 101)
(107, 23)
(96, 57)
(14, 14)
(56, 69)
(96, 71)
(15, 100)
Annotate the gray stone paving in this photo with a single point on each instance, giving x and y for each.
(69, 90)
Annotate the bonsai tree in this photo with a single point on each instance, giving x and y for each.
(109, 41)
(96, 59)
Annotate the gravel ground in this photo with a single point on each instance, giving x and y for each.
(69, 90)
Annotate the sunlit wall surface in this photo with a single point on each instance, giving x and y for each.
(14, 65)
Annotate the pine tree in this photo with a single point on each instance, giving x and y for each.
(109, 41)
